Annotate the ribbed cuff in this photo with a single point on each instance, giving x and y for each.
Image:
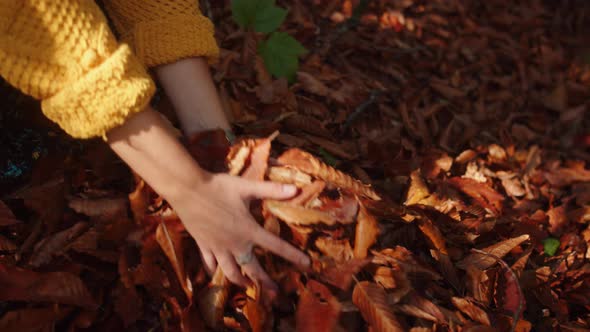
(103, 98)
(164, 41)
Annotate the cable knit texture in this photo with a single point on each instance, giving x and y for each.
(64, 53)
(161, 31)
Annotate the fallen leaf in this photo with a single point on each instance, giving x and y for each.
(480, 192)
(100, 207)
(301, 216)
(286, 174)
(56, 244)
(340, 250)
(317, 310)
(32, 319)
(557, 219)
(7, 244)
(418, 306)
(6, 216)
(499, 250)
(371, 300)
(471, 310)
(57, 287)
(213, 298)
(308, 193)
(313, 166)
(171, 243)
(366, 232)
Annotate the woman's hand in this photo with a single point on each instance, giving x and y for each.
(216, 213)
(213, 207)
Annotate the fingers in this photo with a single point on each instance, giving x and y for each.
(209, 262)
(256, 273)
(231, 270)
(271, 190)
(282, 248)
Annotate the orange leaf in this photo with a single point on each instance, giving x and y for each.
(291, 175)
(499, 249)
(471, 310)
(237, 157)
(212, 299)
(259, 159)
(371, 300)
(557, 219)
(301, 216)
(338, 274)
(483, 194)
(340, 250)
(6, 216)
(254, 310)
(317, 310)
(308, 193)
(171, 243)
(367, 230)
(313, 166)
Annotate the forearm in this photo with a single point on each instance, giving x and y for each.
(189, 86)
(147, 145)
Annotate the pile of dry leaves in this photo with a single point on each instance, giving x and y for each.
(467, 119)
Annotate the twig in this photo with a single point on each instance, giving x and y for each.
(516, 315)
(361, 108)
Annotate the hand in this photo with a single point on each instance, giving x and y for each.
(216, 213)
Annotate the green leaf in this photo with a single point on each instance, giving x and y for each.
(280, 53)
(550, 245)
(269, 18)
(261, 15)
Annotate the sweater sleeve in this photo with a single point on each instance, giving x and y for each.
(162, 31)
(63, 53)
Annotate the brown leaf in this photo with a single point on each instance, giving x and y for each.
(446, 91)
(421, 307)
(139, 201)
(317, 310)
(100, 207)
(171, 243)
(557, 99)
(471, 310)
(433, 234)
(56, 244)
(297, 215)
(557, 219)
(418, 193)
(59, 287)
(47, 200)
(212, 299)
(499, 249)
(366, 232)
(480, 192)
(128, 305)
(371, 300)
(32, 319)
(313, 166)
(6, 216)
(402, 257)
(7, 244)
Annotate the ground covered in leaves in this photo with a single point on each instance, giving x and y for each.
(445, 187)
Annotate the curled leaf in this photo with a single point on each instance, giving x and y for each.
(301, 216)
(291, 175)
(313, 166)
(367, 230)
(471, 310)
(171, 243)
(500, 249)
(212, 299)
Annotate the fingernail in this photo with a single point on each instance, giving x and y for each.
(289, 189)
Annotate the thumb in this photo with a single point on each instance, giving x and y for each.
(268, 189)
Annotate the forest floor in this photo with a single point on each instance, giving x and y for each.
(469, 119)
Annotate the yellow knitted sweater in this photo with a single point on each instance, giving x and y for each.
(63, 53)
